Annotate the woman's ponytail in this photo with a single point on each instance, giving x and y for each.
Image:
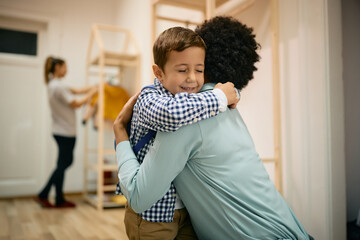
(50, 64)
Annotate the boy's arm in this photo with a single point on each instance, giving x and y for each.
(164, 113)
(82, 90)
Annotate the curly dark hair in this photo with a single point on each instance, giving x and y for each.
(231, 51)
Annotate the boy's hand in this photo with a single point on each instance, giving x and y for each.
(123, 119)
(230, 92)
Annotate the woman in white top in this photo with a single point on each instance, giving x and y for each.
(63, 104)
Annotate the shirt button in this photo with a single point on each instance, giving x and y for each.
(212, 113)
(195, 120)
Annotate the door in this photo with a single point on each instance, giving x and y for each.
(23, 107)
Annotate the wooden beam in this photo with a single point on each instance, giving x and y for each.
(210, 9)
(190, 4)
(242, 8)
(274, 22)
(111, 28)
(234, 7)
(186, 22)
(98, 38)
(270, 160)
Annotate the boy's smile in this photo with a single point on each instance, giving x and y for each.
(188, 89)
(183, 71)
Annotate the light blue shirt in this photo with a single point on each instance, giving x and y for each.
(218, 175)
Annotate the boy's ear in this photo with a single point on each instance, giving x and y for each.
(158, 72)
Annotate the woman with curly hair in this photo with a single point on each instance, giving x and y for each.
(213, 163)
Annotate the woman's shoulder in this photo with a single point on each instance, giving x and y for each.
(56, 83)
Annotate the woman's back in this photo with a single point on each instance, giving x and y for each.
(63, 116)
(225, 185)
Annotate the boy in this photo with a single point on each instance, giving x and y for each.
(179, 55)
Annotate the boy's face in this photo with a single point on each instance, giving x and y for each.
(183, 71)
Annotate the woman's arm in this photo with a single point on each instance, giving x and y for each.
(143, 185)
(165, 160)
(79, 102)
(81, 90)
(122, 120)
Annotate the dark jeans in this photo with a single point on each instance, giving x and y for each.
(65, 159)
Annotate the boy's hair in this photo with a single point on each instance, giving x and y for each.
(175, 39)
(231, 51)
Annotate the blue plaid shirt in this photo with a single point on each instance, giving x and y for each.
(158, 110)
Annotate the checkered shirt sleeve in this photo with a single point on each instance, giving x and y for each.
(160, 111)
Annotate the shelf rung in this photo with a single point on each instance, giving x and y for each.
(92, 167)
(92, 199)
(97, 72)
(106, 151)
(116, 59)
(269, 160)
(109, 187)
(177, 20)
(106, 167)
(110, 167)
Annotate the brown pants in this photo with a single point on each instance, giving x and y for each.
(140, 229)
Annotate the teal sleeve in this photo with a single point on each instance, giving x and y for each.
(143, 185)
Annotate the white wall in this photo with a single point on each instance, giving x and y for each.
(313, 124)
(256, 104)
(351, 75)
(311, 92)
(67, 36)
(135, 15)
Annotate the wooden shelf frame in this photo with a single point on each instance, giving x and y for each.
(207, 7)
(106, 58)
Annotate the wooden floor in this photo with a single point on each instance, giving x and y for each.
(25, 219)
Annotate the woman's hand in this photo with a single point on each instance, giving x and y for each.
(122, 120)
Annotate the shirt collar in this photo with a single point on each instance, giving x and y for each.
(160, 87)
(207, 87)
